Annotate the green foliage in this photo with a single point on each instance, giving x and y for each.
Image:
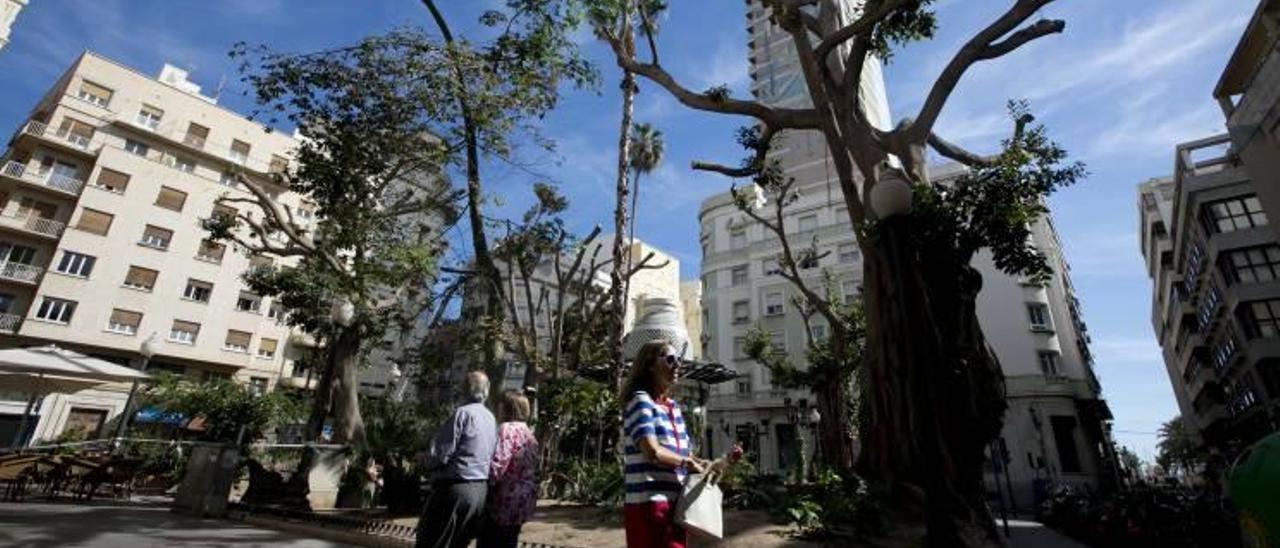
(1129, 461)
(909, 23)
(995, 207)
(395, 430)
(828, 360)
(587, 482)
(225, 406)
(577, 407)
(1177, 448)
(835, 505)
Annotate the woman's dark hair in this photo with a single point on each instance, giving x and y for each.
(643, 375)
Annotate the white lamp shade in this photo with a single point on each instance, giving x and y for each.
(660, 321)
(891, 196)
(756, 196)
(343, 312)
(395, 372)
(814, 416)
(150, 346)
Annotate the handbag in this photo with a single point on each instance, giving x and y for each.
(699, 507)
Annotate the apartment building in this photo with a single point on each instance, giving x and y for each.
(102, 195)
(1214, 263)
(8, 16)
(1249, 93)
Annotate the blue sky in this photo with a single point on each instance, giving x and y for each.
(1125, 83)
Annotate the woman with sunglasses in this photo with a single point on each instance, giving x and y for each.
(657, 454)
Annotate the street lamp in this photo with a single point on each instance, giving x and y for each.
(343, 312)
(891, 195)
(146, 350)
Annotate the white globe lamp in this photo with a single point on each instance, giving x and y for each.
(891, 195)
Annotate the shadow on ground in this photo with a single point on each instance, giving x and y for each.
(38, 525)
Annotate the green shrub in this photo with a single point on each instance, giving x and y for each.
(836, 506)
(587, 482)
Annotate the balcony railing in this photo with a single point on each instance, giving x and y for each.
(758, 396)
(62, 135)
(19, 272)
(9, 323)
(56, 181)
(34, 224)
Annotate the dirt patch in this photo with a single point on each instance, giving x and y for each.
(593, 527)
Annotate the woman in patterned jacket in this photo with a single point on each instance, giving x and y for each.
(513, 488)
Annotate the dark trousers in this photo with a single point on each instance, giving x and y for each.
(452, 514)
(494, 536)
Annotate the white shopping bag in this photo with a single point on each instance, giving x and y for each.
(699, 508)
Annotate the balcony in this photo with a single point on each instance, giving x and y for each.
(18, 272)
(40, 226)
(49, 180)
(63, 137)
(9, 323)
(758, 398)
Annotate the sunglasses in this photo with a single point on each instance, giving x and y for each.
(673, 360)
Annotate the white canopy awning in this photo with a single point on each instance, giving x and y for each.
(60, 362)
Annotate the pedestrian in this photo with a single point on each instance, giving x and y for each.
(513, 488)
(459, 463)
(656, 454)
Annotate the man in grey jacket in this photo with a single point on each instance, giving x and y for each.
(459, 460)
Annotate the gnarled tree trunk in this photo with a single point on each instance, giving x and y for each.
(348, 426)
(934, 396)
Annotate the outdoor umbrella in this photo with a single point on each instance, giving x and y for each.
(49, 369)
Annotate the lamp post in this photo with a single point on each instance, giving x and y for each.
(395, 374)
(146, 350)
(343, 312)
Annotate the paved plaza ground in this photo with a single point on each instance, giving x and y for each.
(111, 525)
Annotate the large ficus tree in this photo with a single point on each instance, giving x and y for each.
(370, 167)
(932, 394)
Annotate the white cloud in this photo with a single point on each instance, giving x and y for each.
(725, 66)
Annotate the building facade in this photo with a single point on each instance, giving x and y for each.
(8, 16)
(1214, 263)
(1249, 93)
(691, 307)
(103, 193)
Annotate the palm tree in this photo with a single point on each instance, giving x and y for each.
(1177, 447)
(646, 153)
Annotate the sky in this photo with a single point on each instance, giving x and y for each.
(1126, 82)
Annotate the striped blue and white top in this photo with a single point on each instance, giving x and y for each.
(644, 417)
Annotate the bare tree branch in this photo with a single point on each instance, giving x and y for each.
(1043, 27)
(976, 49)
(959, 154)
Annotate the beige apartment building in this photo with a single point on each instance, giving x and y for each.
(102, 194)
(8, 16)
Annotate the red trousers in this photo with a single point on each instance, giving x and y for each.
(652, 525)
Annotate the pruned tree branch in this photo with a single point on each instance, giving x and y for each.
(955, 152)
(863, 26)
(981, 47)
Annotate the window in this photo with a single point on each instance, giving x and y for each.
(741, 312)
(849, 253)
(257, 385)
(1263, 319)
(1038, 315)
(124, 322)
(76, 132)
(849, 291)
(94, 93)
(743, 386)
(211, 251)
(818, 332)
(149, 117)
(1224, 351)
(771, 266)
(248, 302)
(1049, 365)
(239, 151)
(196, 135)
(738, 275)
(215, 376)
(738, 238)
(87, 422)
(267, 349)
(778, 339)
(740, 348)
(94, 221)
(197, 291)
(1064, 436)
(137, 148)
(808, 223)
(141, 278)
(228, 179)
(76, 264)
(17, 254)
(238, 341)
(278, 165)
(112, 181)
(1252, 265)
(1232, 214)
(222, 211)
(56, 310)
(184, 332)
(263, 261)
(154, 236)
(171, 198)
(773, 304)
(306, 213)
(186, 165)
(277, 312)
(1241, 396)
